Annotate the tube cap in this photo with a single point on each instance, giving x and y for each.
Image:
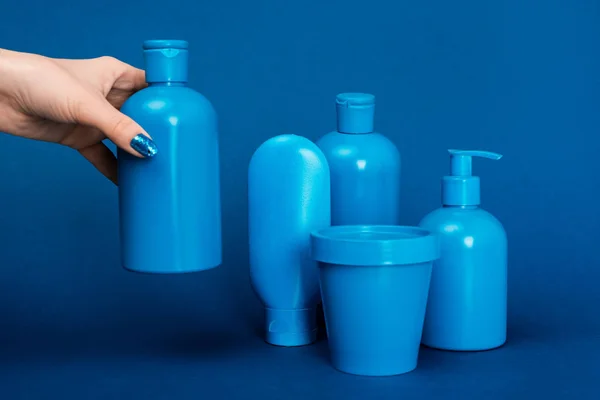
(166, 60)
(461, 188)
(355, 112)
(291, 327)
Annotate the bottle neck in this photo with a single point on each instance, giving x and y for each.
(356, 120)
(356, 134)
(461, 207)
(460, 190)
(167, 84)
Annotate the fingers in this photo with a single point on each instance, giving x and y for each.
(103, 159)
(132, 78)
(93, 109)
(119, 128)
(121, 75)
(126, 77)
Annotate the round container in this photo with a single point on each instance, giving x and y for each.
(374, 286)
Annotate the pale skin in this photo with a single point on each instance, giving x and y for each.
(74, 103)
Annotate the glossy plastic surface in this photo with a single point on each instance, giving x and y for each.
(288, 198)
(374, 308)
(365, 167)
(461, 188)
(170, 214)
(468, 295)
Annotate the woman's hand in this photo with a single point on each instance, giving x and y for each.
(74, 103)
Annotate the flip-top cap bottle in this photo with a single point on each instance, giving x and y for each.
(288, 198)
(467, 302)
(364, 165)
(170, 213)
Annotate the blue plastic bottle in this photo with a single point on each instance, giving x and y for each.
(466, 309)
(288, 198)
(170, 204)
(364, 165)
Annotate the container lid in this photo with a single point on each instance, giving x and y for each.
(372, 245)
(166, 61)
(355, 112)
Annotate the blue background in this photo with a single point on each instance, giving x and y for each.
(517, 77)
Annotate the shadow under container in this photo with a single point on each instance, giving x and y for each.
(374, 286)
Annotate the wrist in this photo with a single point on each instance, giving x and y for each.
(18, 70)
(6, 75)
(8, 82)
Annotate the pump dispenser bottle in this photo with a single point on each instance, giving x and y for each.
(467, 302)
(364, 165)
(170, 213)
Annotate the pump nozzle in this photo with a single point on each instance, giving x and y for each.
(461, 188)
(461, 160)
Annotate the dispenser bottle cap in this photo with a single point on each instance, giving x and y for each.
(355, 112)
(166, 60)
(461, 188)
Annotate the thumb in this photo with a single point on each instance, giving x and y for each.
(119, 128)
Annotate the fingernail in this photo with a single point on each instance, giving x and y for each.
(144, 145)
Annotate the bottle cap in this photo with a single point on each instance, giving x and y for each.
(355, 112)
(166, 60)
(461, 188)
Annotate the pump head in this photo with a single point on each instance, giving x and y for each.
(461, 188)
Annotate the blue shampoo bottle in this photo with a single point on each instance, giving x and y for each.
(170, 204)
(364, 165)
(288, 198)
(467, 302)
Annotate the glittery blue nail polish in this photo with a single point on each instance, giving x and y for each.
(144, 145)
